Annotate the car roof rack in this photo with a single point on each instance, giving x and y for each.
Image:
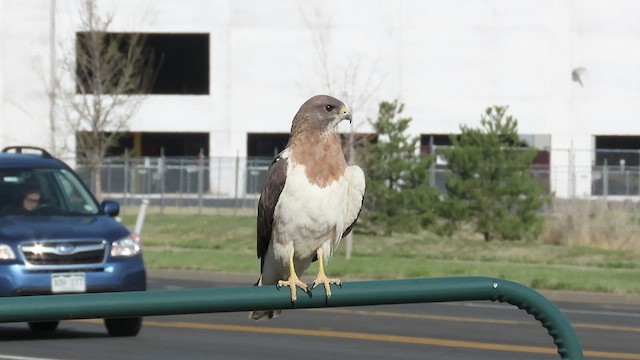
(30, 149)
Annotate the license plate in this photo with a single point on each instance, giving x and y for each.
(68, 283)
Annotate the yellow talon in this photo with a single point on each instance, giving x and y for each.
(293, 281)
(322, 277)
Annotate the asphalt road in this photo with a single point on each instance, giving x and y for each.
(473, 330)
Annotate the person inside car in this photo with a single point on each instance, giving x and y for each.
(31, 196)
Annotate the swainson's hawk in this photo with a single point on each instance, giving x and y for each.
(310, 200)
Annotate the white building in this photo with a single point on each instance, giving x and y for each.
(569, 70)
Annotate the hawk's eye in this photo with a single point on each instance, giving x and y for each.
(328, 107)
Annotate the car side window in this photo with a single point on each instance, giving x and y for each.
(78, 201)
(8, 192)
(23, 192)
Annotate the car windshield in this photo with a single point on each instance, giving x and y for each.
(44, 192)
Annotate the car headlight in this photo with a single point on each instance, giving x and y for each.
(6, 253)
(128, 246)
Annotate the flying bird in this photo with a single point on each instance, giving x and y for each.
(310, 200)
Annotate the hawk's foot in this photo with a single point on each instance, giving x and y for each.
(292, 283)
(323, 279)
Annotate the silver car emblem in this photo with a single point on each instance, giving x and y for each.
(64, 249)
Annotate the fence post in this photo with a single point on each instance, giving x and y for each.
(161, 168)
(432, 168)
(638, 173)
(235, 193)
(134, 180)
(181, 171)
(605, 179)
(200, 179)
(108, 187)
(626, 182)
(125, 180)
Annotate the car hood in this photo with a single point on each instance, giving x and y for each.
(20, 228)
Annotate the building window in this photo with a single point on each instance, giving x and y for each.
(357, 142)
(137, 144)
(261, 149)
(617, 150)
(617, 165)
(181, 63)
(429, 142)
(266, 145)
(172, 64)
(540, 168)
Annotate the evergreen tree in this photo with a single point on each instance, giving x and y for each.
(398, 197)
(489, 184)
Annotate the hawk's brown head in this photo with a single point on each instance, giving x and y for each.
(320, 113)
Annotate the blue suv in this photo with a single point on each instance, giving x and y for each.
(55, 238)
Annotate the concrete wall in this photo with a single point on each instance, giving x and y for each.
(447, 60)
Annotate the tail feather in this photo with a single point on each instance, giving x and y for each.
(259, 315)
(264, 315)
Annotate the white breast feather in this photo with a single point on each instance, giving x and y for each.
(306, 215)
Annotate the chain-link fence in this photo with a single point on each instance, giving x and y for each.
(616, 173)
(224, 182)
(181, 182)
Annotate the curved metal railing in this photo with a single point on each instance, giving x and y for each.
(246, 298)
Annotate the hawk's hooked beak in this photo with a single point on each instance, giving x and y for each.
(345, 114)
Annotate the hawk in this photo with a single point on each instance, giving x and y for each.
(310, 200)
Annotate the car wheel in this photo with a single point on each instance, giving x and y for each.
(43, 327)
(123, 327)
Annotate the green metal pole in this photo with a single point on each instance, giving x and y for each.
(244, 298)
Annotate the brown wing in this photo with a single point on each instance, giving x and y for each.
(273, 185)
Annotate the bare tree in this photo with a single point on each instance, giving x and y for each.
(111, 74)
(353, 82)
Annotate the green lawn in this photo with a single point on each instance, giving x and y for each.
(227, 243)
